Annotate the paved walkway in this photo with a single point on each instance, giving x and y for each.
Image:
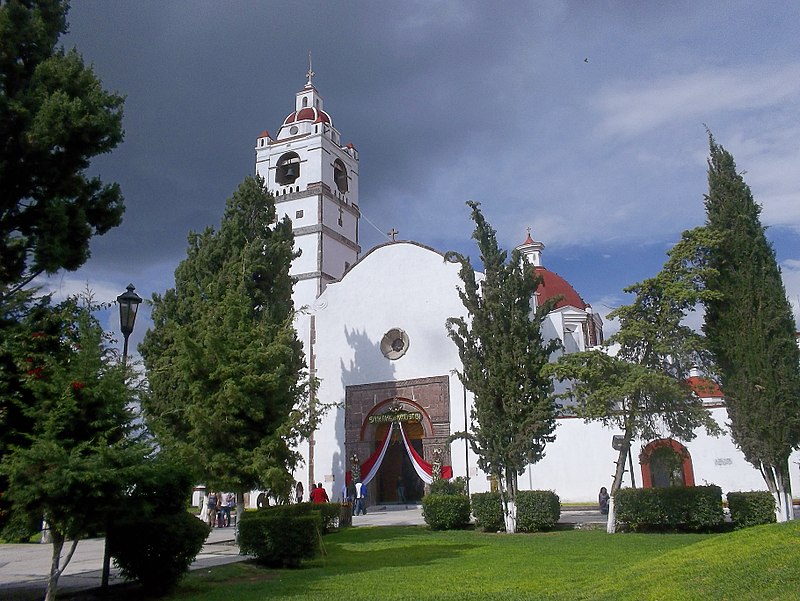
(24, 568)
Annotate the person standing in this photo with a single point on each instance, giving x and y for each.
(401, 490)
(351, 496)
(360, 498)
(212, 503)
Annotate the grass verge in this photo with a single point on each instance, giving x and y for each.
(395, 563)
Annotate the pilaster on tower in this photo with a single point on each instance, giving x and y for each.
(314, 179)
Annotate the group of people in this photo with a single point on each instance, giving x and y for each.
(319, 494)
(217, 509)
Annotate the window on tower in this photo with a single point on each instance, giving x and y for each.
(288, 169)
(340, 175)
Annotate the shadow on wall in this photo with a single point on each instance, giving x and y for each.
(367, 365)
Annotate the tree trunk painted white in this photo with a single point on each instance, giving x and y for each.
(510, 517)
(239, 512)
(619, 472)
(777, 485)
(508, 488)
(611, 524)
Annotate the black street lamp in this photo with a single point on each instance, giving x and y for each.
(128, 306)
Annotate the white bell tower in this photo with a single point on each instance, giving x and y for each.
(315, 182)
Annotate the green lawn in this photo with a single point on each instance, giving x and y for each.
(414, 563)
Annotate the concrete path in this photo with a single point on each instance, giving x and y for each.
(24, 568)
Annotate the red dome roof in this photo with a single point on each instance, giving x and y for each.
(703, 387)
(554, 285)
(308, 114)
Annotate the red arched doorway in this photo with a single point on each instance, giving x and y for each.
(666, 462)
(396, 468)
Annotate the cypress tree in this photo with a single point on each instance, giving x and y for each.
(751, 330)
(226, 369)
(503, 354)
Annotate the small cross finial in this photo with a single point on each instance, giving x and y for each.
(310, 73)
(393, 232)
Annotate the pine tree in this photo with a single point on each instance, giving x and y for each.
(502, 352)
(54, 118)
(74, 464)
(751, 330)
(225, 366)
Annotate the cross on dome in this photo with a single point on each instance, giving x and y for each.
(310, 74)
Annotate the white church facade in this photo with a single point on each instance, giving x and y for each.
(373, 329)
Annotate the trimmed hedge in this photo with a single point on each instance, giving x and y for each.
(537, 510)
(488, 511)
(280, 538)
(446, 512)
(456, 486)
(693, 508)
(156, 551)
(327, 513)
(751, 508)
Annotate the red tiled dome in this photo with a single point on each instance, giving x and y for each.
(308, 114)
(703, 387)
(554, 285)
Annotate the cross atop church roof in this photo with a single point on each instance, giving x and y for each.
(310, 74)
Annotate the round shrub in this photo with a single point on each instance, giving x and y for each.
(445, 512)
(278, 538)
(157, 551)
(456, 486)
(488, 511)
(751, 508)
(537, 510)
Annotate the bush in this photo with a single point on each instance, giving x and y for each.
(488, 511)
(157, 551)
(751, 508)
(151, 536)
(456, 486)
(278, 538)
(328, 513)
(445, 512)
(537, 510)
(693, 508)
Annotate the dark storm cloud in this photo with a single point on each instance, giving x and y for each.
(449, 101)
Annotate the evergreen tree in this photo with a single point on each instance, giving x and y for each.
(225, 367)
(72, 466)
(642, 390)
(751, 330)
(503, 353)
(54, 118)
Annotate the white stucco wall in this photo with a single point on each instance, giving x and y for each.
(407, 286)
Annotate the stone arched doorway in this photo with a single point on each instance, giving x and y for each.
(666, 462)
(423, 407)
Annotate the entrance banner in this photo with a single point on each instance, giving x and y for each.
(373, 464)
(423, 468)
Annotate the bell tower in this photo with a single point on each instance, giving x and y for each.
(314, 180)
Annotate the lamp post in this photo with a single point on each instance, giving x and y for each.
(128, 306)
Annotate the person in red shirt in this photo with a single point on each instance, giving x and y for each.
(318, 494)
